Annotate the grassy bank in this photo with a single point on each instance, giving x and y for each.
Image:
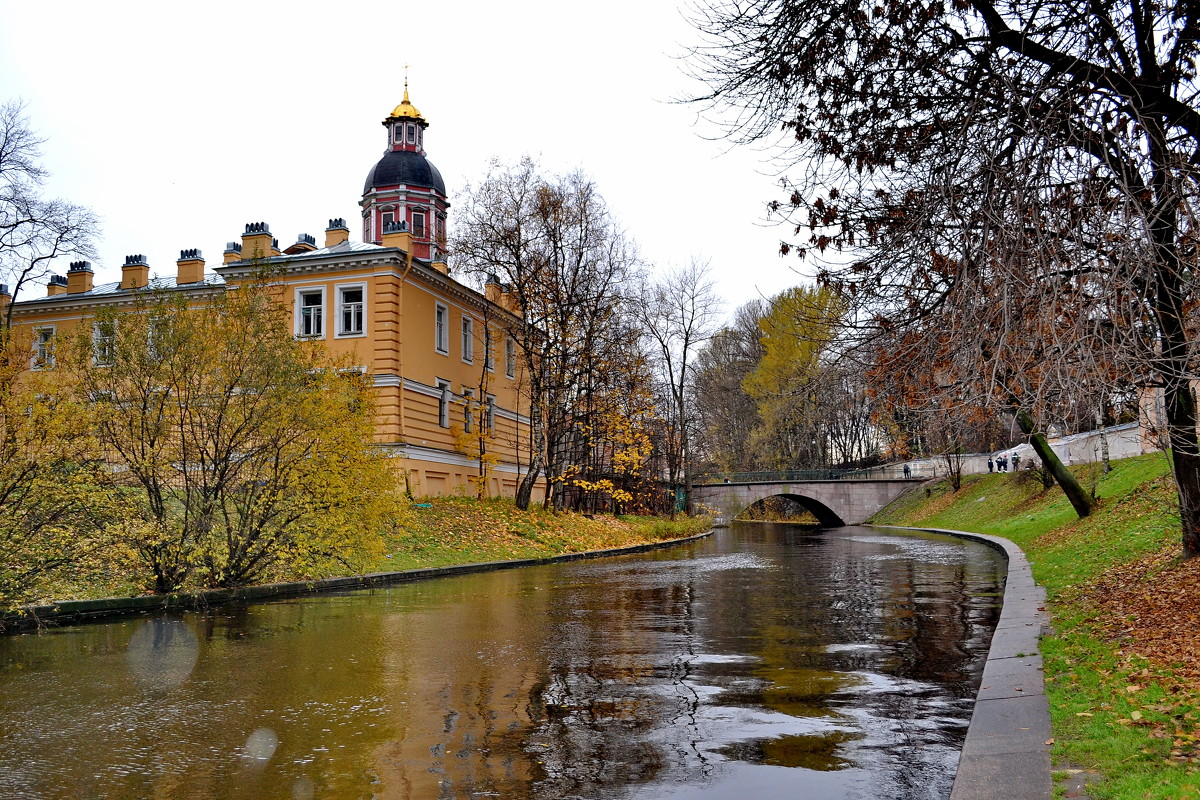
(434, 533)
(449, 530)
(1123, 661)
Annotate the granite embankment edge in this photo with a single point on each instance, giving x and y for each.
(1006, 755)
(70, 612)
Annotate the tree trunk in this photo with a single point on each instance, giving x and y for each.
(1181, 423)
(1104, 455)
(537, 447)
(1079, 498)
(1170, 310)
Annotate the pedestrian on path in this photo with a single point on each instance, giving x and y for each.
(907, 471)
(1016, 461)
(991, 464)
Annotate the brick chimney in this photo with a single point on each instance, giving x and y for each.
(257, 241)
(233, 252)
(135, 273)
(80, 277)
(396, 234)
(56, 285)
(337, 232)
(304, 244)
(190, 267)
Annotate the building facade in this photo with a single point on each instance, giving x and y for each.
(439, 353)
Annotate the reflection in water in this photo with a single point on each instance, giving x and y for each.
(766, 660)
(161, 653)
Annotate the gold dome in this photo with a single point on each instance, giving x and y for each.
(406, 109)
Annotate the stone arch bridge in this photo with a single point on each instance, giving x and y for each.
(834, 498)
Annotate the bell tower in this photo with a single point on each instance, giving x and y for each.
(404, 188)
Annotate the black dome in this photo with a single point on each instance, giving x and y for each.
(407, 167)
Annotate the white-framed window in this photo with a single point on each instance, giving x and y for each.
(489, 361)
(510, 357)
(386, 218)
(43, 348)
(441, 329)
(156, 328)
(412, 133)
(418, 226)
(352, 310)
(104, 342)
(310, 313)
(444, 398)
(489, 413)
(398, 134)
(468, 409)
(468, 339)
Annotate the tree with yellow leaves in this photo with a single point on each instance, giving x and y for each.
(796, 334)
(53, 509)
(250, 452)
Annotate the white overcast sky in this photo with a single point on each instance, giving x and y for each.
(180, 122)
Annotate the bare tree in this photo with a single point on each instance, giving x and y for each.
(33, 230)
(726, 415)
(553, 245)
(678, 315)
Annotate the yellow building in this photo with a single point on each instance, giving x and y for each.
(438, 351)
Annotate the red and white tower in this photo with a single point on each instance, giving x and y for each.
(403, 188)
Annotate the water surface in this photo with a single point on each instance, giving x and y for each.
(767, 661)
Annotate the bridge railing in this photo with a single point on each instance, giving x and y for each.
(873, 474)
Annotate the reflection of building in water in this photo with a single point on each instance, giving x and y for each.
(528, 698)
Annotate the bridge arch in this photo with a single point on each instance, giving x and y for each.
(826, 516)
(834, 502)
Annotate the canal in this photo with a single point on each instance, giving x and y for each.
(766, 661)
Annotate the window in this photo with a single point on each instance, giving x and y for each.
(441, 329)
(489, 363)
(468, 339)
(412, 134)
(398, 134)
(418, 224)
(156, 331)
(387, 218)
(468, 409)
(351, 317)
(310, 312)
(489, 414)
(444, 398)
(43, 344)
(104, 342)
(510, 357)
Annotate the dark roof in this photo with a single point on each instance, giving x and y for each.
(104, 289)
(407, 167)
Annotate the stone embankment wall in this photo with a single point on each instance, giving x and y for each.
(1124, 441)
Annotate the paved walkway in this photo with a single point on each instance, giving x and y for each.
(1006, 755)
